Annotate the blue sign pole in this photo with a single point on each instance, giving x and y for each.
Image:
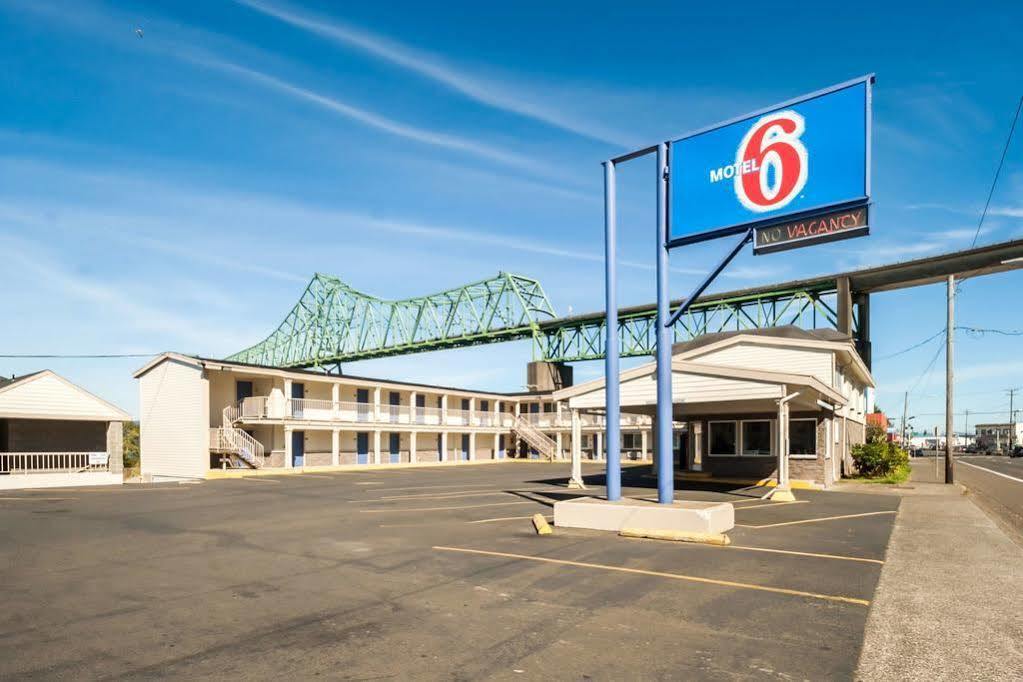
(613, 470)
(664, 421)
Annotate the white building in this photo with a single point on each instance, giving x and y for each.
(731, 392)
(54, 433)
(200, 415)
(999, 436)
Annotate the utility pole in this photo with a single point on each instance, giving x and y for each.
(905, 411)
(1012, 426)
(949, 376)
(937, 448)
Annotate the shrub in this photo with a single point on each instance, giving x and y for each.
(878, 458)
(131, 444)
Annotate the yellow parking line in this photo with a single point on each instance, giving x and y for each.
(428, 487)
(508, 518)
(814, 555)
(661, 574)
(825, 518)
(771, 504)
(457, 493)
(426, 509)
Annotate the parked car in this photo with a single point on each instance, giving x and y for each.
(1016, 451)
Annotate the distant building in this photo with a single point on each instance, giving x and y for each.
(54, 433)
(998, 436)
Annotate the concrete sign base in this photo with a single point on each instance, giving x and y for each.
(599, 514)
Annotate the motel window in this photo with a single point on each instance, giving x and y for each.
(722, 438)
(548, 407)
(629, 441)
(756, 437)
(803, 437)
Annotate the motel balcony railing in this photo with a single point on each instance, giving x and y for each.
(326, 410)
(53, 462)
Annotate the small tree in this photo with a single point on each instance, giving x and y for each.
(132, 452)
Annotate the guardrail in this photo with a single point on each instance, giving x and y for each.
(53, 462)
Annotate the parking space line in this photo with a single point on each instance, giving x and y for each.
(428, 487)
(814, 555)
(39, 499)
(660, 574)
(455, 494)
(772, 504)
(260, 479)
(550, 519)
(824, 518)
(427, 509)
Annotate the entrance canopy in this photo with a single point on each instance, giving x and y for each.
(707, 389)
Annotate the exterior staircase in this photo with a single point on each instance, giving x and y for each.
(537, 439)
(233, 441)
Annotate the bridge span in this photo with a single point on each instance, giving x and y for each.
(333, 323)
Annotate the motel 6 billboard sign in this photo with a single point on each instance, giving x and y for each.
(797, 173)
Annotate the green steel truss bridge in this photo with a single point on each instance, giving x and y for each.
(333, 323)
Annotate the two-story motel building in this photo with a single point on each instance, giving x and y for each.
(731, 392)
(200, 414)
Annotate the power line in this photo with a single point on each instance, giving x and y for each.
(1001, 162)
(973, 331)
(913, 347)
(52, 356)
(981, 331)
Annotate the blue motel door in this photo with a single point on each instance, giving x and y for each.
(362, 448)
(465, 446)
(297, 448)
(395, 448)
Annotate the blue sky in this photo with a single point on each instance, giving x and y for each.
(175, 191)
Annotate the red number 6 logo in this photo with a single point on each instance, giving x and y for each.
(772, 144)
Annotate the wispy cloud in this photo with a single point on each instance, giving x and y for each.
(380, 122)
(492, 93)
(1007, 211)
(33, 262)
(142, 226)
(204, 50)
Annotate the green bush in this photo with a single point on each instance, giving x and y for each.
(131, 444)
(878, 458)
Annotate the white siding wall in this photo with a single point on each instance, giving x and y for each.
(806, 361)
(47, 397)
(174, 421)
(685, 388)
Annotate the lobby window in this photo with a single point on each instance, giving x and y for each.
(722, 438)
(630, 441)
(756, 437)
(803, 437)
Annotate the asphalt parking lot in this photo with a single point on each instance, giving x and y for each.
(429, 573)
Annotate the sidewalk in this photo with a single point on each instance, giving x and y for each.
(949, 605)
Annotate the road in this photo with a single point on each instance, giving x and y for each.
(996, 484)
